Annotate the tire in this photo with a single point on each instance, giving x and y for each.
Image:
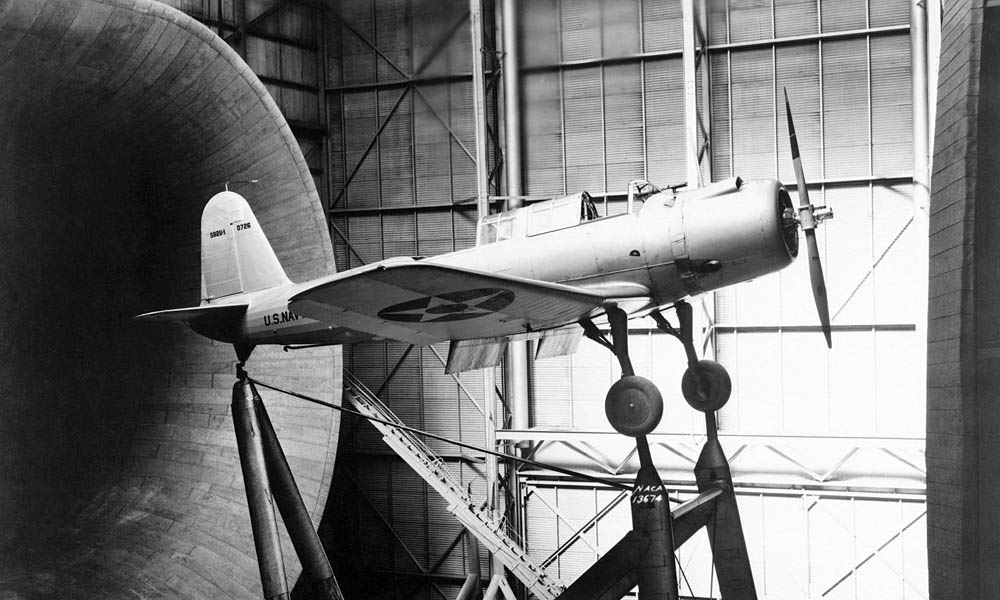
(715, 388)
(633, 406)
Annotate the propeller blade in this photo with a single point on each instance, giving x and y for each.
(818, 285)
(809, 228)
(800, 178)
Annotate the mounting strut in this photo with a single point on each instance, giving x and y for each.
(269, 481)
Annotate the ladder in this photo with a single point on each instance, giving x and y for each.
(488, 527)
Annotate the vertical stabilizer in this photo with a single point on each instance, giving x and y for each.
(235, 254)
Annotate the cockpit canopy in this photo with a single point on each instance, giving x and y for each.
(537, 218)
(557, 213)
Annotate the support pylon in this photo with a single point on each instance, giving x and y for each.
(306, 541)
(657, 572)
(269, 482)
(259, 500)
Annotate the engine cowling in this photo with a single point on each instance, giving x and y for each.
(732, 231)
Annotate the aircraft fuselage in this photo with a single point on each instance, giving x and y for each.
(678, 245)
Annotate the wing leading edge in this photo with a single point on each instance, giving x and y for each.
(426, 303)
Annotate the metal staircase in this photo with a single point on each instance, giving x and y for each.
(488, 527)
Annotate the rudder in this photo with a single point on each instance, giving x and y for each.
(235, 254)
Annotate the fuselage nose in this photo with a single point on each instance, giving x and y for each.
(743, 233)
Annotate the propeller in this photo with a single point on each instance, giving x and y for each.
(809, 216)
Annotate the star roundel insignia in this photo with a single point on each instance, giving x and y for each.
(452, 306)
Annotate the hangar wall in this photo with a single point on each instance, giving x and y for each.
(962, 430)
(402, 177)
(118, 465)
(601, 103)
(611, 79)
(381, 106)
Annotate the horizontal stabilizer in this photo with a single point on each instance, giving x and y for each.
(226, 312)
(222, 322)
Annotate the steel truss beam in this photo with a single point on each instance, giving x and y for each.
(223, 26)
(906, 452)
(583, 528)
(370, 146)
(606, 195)
(410, 83)
(346, 239)
(472, 458)
(395, 534)
(874, 552)
(721, 48)
(302, 87)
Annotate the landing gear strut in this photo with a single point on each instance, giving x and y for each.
(633, 405)
(706, 384)
(645, 556)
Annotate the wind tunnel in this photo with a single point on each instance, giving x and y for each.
(119, 472)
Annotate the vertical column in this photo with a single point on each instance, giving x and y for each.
(705, 75)
(479, 108)
(921, 122)
(262, 519)
(483, 209)
(512, 102)
(517, 359)
(241, 24)
(922, 147)
(691, 133)
(473, 587)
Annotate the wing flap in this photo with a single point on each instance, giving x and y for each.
(423, 303)
(469, 355)
(559, 342)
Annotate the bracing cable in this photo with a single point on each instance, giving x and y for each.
(570, 472)
(872, 269)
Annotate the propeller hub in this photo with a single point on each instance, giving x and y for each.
(789, 222)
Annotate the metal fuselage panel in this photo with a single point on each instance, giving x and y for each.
(743, 231)
(595, 254)
(269, 320)
(677, 246)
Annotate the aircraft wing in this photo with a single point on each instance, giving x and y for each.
(425, 303)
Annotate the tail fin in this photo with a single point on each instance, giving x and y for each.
(235, 255)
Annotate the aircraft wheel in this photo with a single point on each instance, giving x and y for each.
(714, 389)
(634, 406)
